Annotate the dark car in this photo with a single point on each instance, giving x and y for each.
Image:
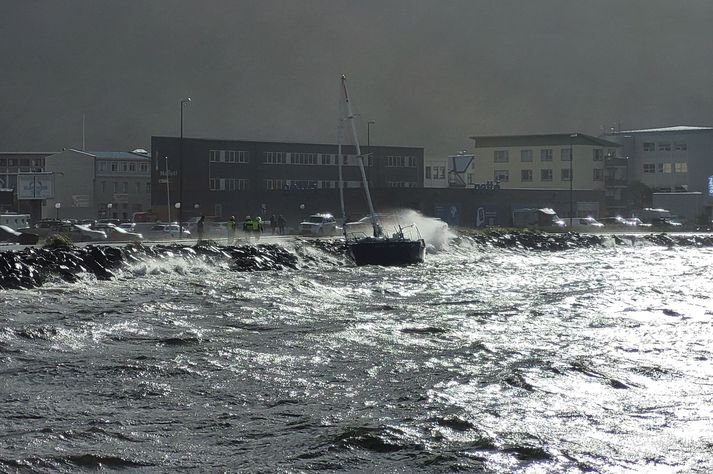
(665, 223)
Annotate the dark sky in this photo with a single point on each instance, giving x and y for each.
(429, 72)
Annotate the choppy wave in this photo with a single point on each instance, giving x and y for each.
(487, 358)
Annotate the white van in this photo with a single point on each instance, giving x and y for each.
(15, 221)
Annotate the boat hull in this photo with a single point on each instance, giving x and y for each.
(387, 252)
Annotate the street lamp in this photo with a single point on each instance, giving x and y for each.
(168, 191)
(180, 170)
(368, 141)
(108, 212)
(571, 177)
(57, 205)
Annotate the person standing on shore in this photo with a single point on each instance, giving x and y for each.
(200, 227)
(232, 226)
(281, 224)
(273, 224)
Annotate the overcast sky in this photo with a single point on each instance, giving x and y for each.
(429, 72)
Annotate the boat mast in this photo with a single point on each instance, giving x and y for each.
(350, 117)
(341, 180)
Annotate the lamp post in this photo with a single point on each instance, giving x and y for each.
(108, 210)
(168, 191)
(180, 170)
(57, 205)
(571, 176)
(368, 142)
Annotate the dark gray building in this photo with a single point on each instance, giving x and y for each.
(243, 177)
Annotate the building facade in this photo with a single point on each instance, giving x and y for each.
(574, 163)
(241, 177)
(90, 185)
(675, 159)
(12, 166)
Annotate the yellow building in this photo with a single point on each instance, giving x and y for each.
(543, 161)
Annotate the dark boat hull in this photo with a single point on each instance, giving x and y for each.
(387, 252)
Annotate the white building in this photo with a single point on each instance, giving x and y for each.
(90, 185)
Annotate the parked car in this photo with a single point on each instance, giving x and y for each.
(583, 223)
(616, 222)
(319, 224)
(8, 234)
(666, 223)
(130, 226)
(116, 233)
(74, 232)
(636, 222)
(165, 231)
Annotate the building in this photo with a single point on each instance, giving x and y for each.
(12, 166)
(575, 164)
(90, 185)
(672, 160)
(243, 177)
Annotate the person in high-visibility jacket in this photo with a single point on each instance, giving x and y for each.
(257, 227)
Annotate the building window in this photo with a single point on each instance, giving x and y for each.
(649, 146)
(598, 154)
(428, 172)
(565, 174)
(275, 158)
(526, 176)
(501, 156)
(525, 156)
(681, 146)
(125, 187)
(326, 159)
(681, 167)
(546, 175)
(274, 184)
(227, 156)
(502, 176)
(410, 161)
(303, 158)
(470, 178)
(649, 168)
(598, 174)
(114, 166)
(102, 186)
(124, 166)
(101, 166)
(546, 154)
(566, 154)
(144, 167)
(664, 147)
(664, 168)
(148, 187)
(395, 161)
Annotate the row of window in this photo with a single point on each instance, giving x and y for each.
(20, 162)
(227, 156)
(526, 176)
(678, 167)
(401, 184)
(122, 166)
(665, 146)
(227, 184)
(123, 187)
(546, 154)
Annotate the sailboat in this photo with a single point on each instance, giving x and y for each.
(378, 248)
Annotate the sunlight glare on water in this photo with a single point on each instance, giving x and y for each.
(479, 359)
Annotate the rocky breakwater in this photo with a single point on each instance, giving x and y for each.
(536, 240)
(31, 267)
